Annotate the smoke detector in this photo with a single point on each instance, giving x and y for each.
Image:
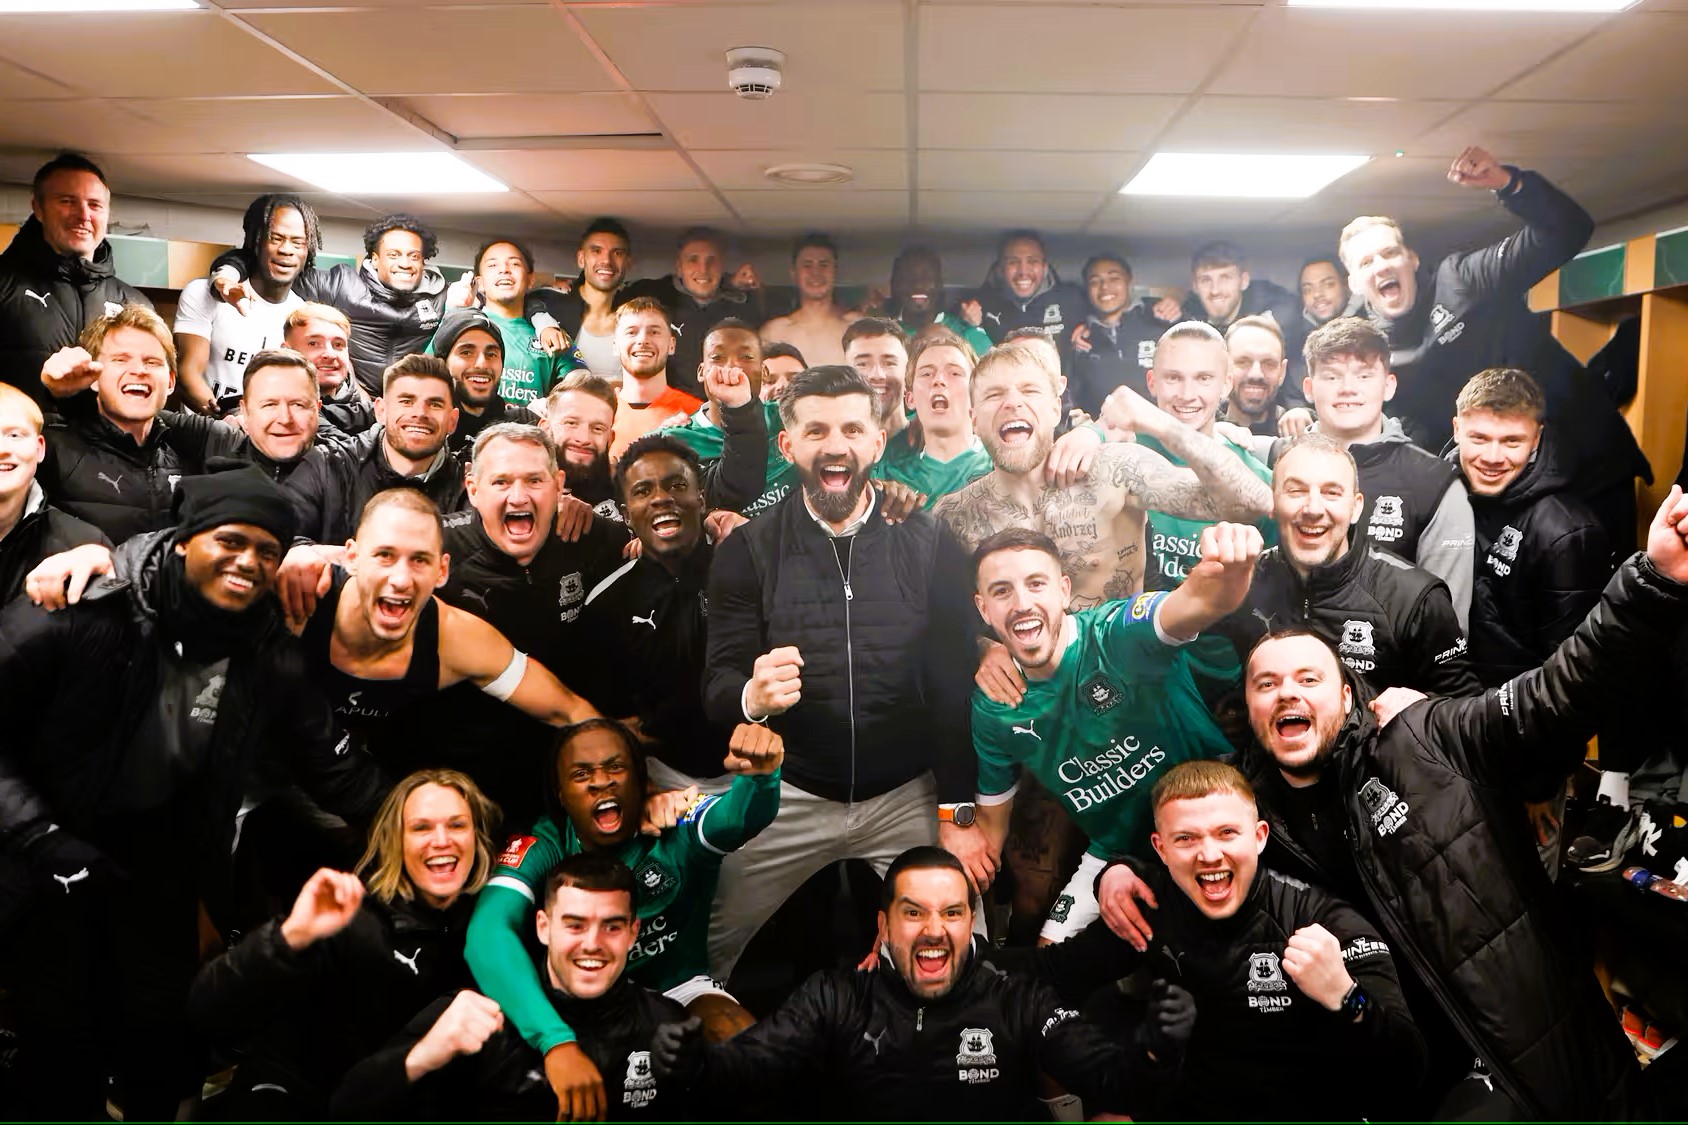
(754, 72)
(809, 175)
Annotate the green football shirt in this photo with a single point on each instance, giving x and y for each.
(675, 874)
(1123, 706)
(925, 473)
(529, 373)
(707, 440)
(1175, 542)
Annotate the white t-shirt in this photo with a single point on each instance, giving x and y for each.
(600, 355)
(234, 338)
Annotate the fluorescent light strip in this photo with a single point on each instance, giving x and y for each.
(66, 7)
(1239, 175)
(382, 173)
(1470, 5)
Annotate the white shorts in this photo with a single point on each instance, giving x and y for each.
(701, 985)
(1076, 906)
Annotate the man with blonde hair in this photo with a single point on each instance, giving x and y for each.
(115, 462)
(30, 528)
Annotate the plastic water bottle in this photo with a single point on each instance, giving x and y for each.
(1645, 880)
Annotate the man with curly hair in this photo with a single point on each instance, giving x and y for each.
(393, 298)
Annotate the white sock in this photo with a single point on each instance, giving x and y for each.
(1614, 788)
(1067, 1107)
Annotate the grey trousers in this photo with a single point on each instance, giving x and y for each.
(808, 834)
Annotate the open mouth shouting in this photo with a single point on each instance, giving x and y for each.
(606, 816)
(391, 611)
(939, 403)
(1017, 432)
(668, 525)
(932, 962)
(1216, 886)
(520, 522)
(1028, 628)
(1292, 725)
(835, 476)
(441, 870)
(135, 389)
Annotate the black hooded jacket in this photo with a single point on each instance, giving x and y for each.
(301, 1018)
(47, 299)
(505, 1079)
(1055, 309)
(79, 683)
(1262, 1049)
(1470, 315)
(1390, 621)
(1542, 559)
(41, 531)
(1428, 826)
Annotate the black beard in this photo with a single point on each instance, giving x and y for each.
(833, 507)
(590, 482)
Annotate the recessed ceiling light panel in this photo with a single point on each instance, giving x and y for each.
(381, 173)
(1239, 175)
(67, 7)
(809, 175)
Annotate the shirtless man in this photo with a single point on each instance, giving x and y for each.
(817, 325)
(1098, 521)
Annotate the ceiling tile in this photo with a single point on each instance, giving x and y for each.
(79, 124)
(1045, 210)
(434, 50)
(153, 54)
(649, 208)
(1061, 122)
(1637, 57)
(965, 170)
(269, 125)
(829, 48)
(534, 115)
(151, 173)
(1308, 52)
(587, 169)
(875, 169)
(1555, 130)
(1074, 50)
(1232, 124)
(1199, 220)
(829, 208)
(723, 121)
(16, 82)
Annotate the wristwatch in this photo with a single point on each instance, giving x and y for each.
(961, 814)
(1355, 1003)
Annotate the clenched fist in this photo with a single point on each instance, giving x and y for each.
(776, 683)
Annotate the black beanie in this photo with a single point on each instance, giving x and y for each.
(243, 495)
(458, 321)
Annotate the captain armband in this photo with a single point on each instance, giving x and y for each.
(504, 685)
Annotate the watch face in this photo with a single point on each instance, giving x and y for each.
(963, 815)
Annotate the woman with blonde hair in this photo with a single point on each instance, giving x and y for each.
(304, 997)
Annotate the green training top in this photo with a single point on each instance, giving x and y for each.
(924, 473)
(977, 338)
(1175, 542)
(706, 440)
(675, 874)
(1122, 706)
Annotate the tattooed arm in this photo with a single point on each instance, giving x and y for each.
(1217, 486)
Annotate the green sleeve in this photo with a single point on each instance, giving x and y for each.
(996, 767)
(1130, 638)
(496, 954)
(730, 821)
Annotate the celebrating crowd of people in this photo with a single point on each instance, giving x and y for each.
(420, 692)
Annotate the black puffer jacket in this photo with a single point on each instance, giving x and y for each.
(100, 474)
(64, 747)
(1119, 356)
(387, 323)
(304, 1017)
(884, 621)
(331, 486)
(1055, 309)
(47, 299)
(1433, 818)
(1391, 621)
(862, 1045)
(1234, 969)
(1542, 560)
(41, 531)
(505, 1079)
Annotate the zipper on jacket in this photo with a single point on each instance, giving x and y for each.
(849, 651)
(919, 1019)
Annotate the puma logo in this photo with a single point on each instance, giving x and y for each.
(876, 1040)
(1265, 618)
(995, 316)
(409, 962)
(1027, 729)
(651, 620)
(37, 296)
(67, 880)
(472, 595)
(115, 486)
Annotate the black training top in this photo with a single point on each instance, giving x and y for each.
(359, 703)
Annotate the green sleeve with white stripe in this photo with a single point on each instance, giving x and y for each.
(727, 823)
(997, 774)
(495, 950)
